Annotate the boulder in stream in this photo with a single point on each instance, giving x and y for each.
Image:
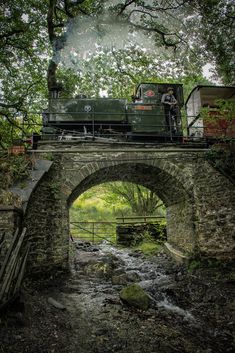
(134, 295)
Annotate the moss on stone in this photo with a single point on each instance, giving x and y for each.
(134, 295)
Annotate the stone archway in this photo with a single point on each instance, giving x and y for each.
(191, 189)
(52, 245)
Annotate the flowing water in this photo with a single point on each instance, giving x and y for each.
(190, 312)
(183, 316)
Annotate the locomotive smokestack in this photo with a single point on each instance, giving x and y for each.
(55, 90)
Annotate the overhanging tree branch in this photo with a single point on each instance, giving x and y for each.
(162, 34)
(13, 32)
(124, 6)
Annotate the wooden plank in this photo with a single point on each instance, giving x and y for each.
(17, 275)
(6, 288)
(22, 270)
(11, 266)
(6, 260)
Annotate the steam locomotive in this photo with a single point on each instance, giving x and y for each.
(145, 117)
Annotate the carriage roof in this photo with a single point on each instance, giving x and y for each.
(209, 94)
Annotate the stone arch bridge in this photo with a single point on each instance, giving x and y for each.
(200, 201)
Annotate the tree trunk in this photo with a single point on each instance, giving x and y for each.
(51, 75)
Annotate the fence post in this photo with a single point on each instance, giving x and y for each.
(93, 232)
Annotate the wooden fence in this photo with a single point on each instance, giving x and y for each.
(138, 219)
(96, 232)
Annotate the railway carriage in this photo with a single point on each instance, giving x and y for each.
(204, 116)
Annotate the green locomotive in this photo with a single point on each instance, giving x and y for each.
(145, 116)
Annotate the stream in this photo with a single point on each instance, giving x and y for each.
(187, 313)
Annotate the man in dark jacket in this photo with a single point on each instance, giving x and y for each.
(170, 104)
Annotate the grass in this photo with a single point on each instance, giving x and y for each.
(148, 248)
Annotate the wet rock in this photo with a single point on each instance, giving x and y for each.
(86, 246)
(133, 277)
(136, 253)
(83, 244)
(134, 295)
(95, 248)
(121, 278)
(118, 271)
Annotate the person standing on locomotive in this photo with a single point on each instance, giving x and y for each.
(170, 105)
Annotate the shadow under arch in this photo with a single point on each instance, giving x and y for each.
(178, 200)
(168, 189)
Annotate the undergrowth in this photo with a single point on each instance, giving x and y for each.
(13, 168)
(148, 248)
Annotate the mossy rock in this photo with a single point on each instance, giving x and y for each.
(134, 295)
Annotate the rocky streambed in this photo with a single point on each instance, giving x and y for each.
(186, 312)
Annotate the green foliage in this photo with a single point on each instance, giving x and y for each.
(148, 248)
(13, 168)
(100, 204)
(142, 201)
(194, 265)
(34, 31)
(90, 206)
(216, 27)
(19, 167)
(158, 231)
(152, 239)
(49, 156)
(22, 67)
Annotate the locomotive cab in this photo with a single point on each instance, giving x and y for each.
(147, 93)
(147, 115)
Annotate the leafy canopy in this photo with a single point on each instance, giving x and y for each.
(100, 47)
